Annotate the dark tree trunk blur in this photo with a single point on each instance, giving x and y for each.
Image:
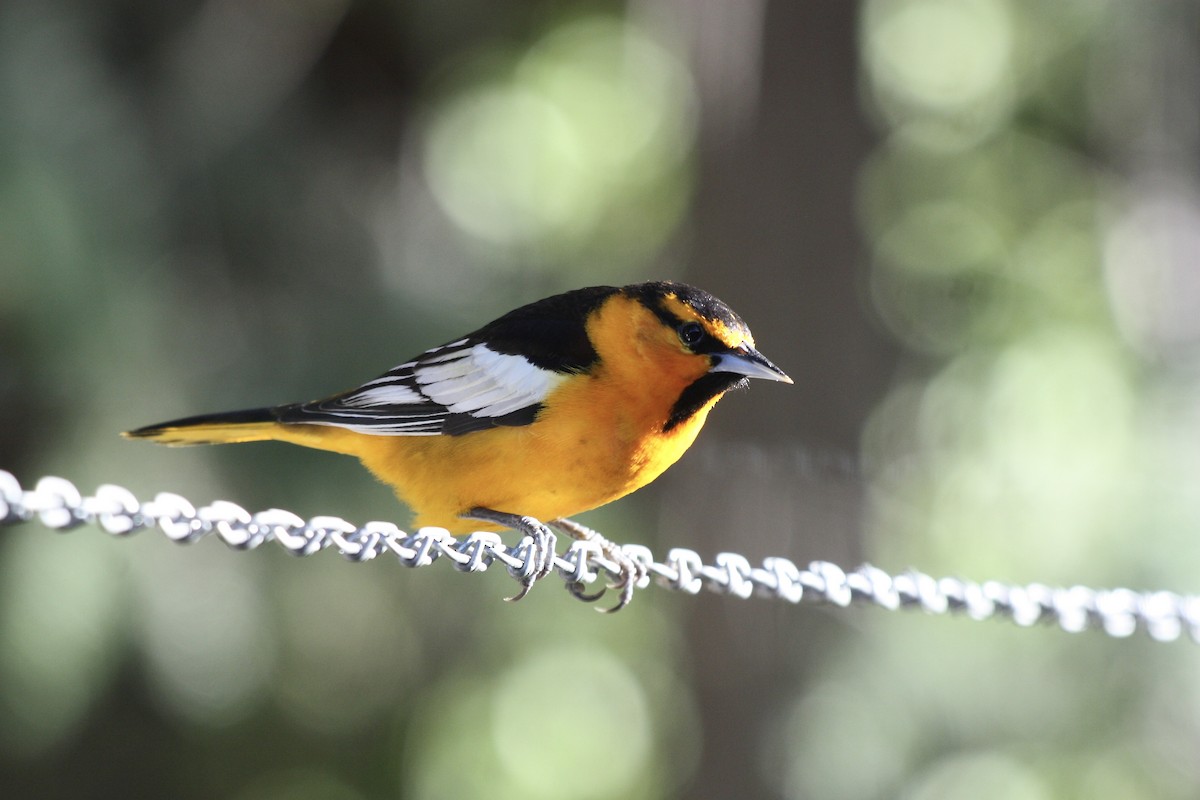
(776, 238)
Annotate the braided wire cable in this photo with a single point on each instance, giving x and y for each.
(57, 504)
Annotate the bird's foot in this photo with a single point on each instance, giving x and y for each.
(539, 558)
(540, 551)
(630, 572)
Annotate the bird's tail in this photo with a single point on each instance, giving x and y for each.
(252, 425)
(278, 423)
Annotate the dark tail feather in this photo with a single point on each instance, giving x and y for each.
(251, 425)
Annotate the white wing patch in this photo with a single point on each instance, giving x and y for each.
(390, 394)
(419, 397)
(485, 383)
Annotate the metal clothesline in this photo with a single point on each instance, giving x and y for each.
(57, 504)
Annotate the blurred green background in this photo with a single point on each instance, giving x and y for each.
(969, 229)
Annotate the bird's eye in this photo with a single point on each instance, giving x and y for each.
(691, 334)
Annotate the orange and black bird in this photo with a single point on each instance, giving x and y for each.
(555, 408)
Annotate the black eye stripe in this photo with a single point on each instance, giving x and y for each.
(668, 319)
(704, 344)
(707, 344)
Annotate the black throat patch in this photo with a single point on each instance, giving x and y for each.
(699, 392)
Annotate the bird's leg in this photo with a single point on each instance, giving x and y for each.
(631, 572)
(543, 542)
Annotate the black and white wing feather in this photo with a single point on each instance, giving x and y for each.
(499, 375)
(454, 389)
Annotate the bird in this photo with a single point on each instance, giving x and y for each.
(555, 408)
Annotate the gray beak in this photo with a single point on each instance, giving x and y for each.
(749, 362)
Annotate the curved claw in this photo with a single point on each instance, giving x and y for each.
(525, 587)
(539, 558)
(630, 572)
(627, 587)
(576, 590)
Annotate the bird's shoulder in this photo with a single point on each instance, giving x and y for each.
(551, 333)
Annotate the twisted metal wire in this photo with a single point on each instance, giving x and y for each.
(56, 503)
